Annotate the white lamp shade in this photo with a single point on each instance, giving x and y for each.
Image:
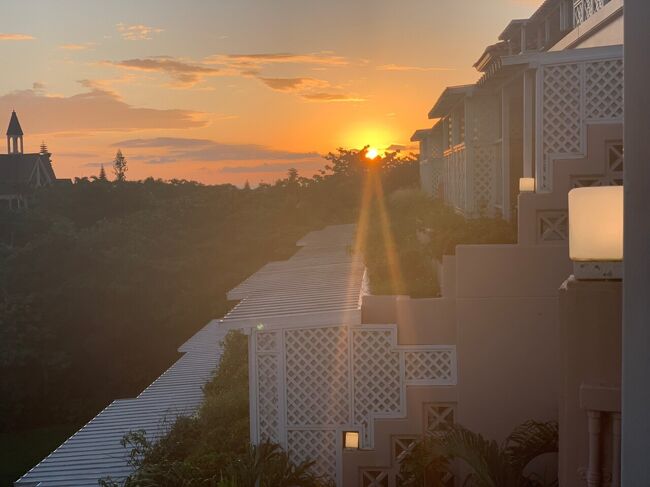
(596, 224)
(352, 440)
(526, 185)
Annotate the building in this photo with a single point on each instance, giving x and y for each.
(21, 173)
(506, 342)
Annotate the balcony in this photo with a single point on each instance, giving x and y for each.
(583, 9)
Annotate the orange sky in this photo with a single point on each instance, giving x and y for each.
(231, 91)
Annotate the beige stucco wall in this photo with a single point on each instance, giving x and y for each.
(590, 358)
(507, 342)
(507, 363)
(609, 35)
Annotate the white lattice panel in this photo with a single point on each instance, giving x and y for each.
(268, 405)
(437, 176)
(485, 163)
(377, 384)
(484, 118)
(604, 90)
(318, 446)
(375, 477)
(267, 341)
(429, 367)
(573, 95)
(317, 374)
(437, 416)
(613, 171)
(562, 114)
(455, 179)
(552, 226)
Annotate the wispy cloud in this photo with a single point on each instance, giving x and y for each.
(93, 110)
(320, 58)
(137, 32)
(77, 47)
(271, 168)
(400, 67)
(188, 149)
(293, 84)
(332, 97)
(184, 73)
(16, 37)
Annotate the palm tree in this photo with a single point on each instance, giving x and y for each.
(490, 464)
(267, 465)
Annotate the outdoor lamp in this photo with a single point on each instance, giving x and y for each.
(526, 185)
(596, 232)
(351, 440)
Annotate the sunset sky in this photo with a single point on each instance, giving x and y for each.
(233, 90)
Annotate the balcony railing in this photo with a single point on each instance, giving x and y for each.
(583, 9)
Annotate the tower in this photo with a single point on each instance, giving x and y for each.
(14, 135)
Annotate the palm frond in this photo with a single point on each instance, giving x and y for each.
(485, 459)
(530, 440)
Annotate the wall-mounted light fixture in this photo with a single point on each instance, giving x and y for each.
(526, 185)
(596, 232)
(351, 440)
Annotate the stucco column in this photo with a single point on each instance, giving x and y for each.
(529, 122)
(594, 467)
(505, 152)
(636, 305)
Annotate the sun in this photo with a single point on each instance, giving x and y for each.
(371, 153)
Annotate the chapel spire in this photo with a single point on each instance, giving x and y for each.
(14, 135)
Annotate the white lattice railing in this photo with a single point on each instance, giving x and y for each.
(455, 178)
(485, 160)
(583, 9)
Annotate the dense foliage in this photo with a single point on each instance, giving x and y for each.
(100, 281)
(422, 229)
(488, 463)
(212, 447)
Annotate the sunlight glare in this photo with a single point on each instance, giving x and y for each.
(372, 153)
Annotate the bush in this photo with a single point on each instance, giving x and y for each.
(420, 229)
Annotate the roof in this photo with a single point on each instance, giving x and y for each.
(449, 98)
(17, 171)
(420, 135)
(14, 125)
(320, 280)
(512, 25)
(491, 53)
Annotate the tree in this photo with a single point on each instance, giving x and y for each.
(102, 174)
(490, 464)
(120, 166)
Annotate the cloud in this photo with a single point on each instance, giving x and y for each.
(16, 37)
(293, 84)
(188, 149)
(269, 168)
(77, 47)
(137, 32)
(332, 97)
(187, 74)
(399, 67)
(320, 58)
(400, 148)
(93, 110)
